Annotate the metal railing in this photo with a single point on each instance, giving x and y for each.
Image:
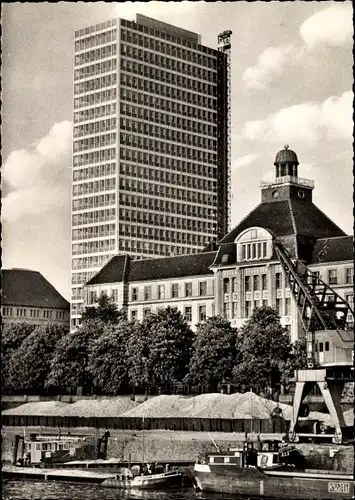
(289, 178)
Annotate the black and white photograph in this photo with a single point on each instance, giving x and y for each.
(177, 282)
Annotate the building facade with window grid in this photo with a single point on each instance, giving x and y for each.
(200, 285)
(145, 286)
(232, 291)
(147, 176)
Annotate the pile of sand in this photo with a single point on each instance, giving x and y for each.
(247, 405)
(41, 408)
(110, 407)
(326, 418)
(209, 406)
(113, 407)
(215, 405)
(349, 416)
(159, 406)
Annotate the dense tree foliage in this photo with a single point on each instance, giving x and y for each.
(138, 352)
(160, 349)
(68, 367)
(106, 311)
(29, 365)
(297, 360)
(215, 352)
(265, 348)
(171, 349)
(12, 336)
(107, 360)
(110, 355)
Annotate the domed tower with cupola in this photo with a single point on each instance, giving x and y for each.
(287, 184)
(286, 162)
(287, 210)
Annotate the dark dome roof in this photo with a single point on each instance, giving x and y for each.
(286, 155)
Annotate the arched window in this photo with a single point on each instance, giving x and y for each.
(254, 244)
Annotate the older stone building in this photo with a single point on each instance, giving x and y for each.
(244, 272)
(145, 286)
(27, 297)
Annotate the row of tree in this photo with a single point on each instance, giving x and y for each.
(110, 355)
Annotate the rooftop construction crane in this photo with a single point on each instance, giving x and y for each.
(224, 128)
(323, 314)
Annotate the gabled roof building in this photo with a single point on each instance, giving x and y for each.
(28, 297)
(147, 285)
(244, 271)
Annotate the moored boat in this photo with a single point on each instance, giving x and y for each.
(272, 471)
(128, 479)
(52, 450)
(45, 458)
(123, 478)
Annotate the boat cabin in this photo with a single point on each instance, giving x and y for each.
(263, 454)
(334, 347)
(268, 459)
(237, 458)
(40, 448)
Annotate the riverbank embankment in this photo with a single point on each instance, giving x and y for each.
(175, 446)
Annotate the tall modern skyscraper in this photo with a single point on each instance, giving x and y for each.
(150, 144)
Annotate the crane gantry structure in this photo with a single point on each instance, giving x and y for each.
(323, 313)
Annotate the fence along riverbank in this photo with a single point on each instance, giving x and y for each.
(275, 425)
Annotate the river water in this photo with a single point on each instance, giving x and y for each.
(31, 490)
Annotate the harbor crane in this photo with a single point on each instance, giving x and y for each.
(330, 354)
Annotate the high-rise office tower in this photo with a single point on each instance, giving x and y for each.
(150, 145)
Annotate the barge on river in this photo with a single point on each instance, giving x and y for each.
(45, 458)
(272, 471)
(124, 478)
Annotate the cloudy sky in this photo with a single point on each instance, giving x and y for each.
(291, 83)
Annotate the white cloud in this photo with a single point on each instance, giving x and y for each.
(244, 161)
(269, 65)
(39, 178)
(268, 175)
(34, 201)
(305, 122)
(22, 168)
(57, 142)
(337, 113)
(331, 26)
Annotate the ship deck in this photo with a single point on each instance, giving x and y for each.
(34, 473)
